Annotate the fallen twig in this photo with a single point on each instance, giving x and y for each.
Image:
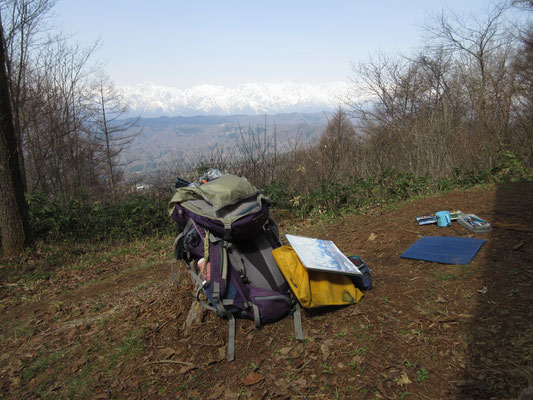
(171, 362)
(158, 329)
(296, 389)
(519, 245)
(55, 387)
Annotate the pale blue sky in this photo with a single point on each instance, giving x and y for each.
(186, 43)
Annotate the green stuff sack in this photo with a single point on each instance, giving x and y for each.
(315, 288)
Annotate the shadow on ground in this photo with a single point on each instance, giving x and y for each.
(500, 343)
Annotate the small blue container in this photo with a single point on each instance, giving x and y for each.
(443, 218)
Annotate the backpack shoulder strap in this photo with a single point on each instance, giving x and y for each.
(218, 256)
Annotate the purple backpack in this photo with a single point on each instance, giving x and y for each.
(225, 225)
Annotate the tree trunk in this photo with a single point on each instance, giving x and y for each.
(109, 160)
(14, 220)
(13, 237)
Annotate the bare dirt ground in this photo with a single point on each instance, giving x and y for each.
(109, 322)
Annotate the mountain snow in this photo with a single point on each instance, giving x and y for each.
(150, 100)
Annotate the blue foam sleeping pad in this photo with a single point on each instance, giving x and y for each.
(444, 249)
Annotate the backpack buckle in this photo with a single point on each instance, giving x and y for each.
(227, 234)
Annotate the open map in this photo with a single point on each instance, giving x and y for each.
(322, 255)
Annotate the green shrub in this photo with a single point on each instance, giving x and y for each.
(510, 168)
(353, 193)
(138, 216)
(280, 194)
(469, 178)
(77, 219)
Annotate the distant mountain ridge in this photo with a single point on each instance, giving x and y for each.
(164, 139)
(150, 100)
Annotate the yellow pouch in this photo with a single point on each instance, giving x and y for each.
(315, 288)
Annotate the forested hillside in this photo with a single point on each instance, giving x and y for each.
(166, 141)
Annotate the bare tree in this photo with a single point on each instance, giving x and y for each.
(336, 148)
(483, 47)
(59, 140)
(24, 20)
(393, 90)
(112, 131)
(523, 104)
(423, 113)
(258, 149)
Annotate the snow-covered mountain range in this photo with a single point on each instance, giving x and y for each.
(150, 100)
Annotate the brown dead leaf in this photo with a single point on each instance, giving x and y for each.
(358, 359)
(324, 348)
(15, 382)
(69, 335)
(154, 326)
(77, 364)
(403, 380)
(230, 395)
(217, 392)
(301, 383)
(219, 355)
(253, 378)
(186, 369)
(281, 388)
(356, 311)
(166, 353)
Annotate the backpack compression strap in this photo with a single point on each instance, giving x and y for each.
(218, 254)
(297, 318)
